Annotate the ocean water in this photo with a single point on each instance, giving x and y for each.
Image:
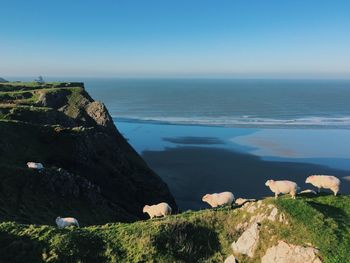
(228, 102)
(204, 136)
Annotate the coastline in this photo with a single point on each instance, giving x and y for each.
(191, 172)
(195, 160)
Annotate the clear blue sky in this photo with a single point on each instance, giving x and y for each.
(238, 38)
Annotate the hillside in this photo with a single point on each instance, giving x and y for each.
(202, 236)
(91, 173)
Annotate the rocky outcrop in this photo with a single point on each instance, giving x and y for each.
(242, 201)
(308, 191)
(53, 99)
(288, 253)
(261, 212)
(248, 241)
(65, 184)
(62, 126)
(230, 259)
(98, 112)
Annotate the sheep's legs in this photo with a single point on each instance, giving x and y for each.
(276, 195)
(335, 191)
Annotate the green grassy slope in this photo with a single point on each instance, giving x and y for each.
(203, 236)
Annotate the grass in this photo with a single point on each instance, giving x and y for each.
(20, 101)
(202, 236)
(324, 221)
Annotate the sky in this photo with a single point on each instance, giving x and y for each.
(157, 38)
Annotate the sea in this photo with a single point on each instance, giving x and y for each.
(211, 135)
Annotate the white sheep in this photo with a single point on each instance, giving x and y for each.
(219, 199)
(66, 221)
(33, 165)
(324, 181)
(161, 209)
(282, 187)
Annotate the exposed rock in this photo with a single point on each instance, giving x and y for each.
(258, 218)
(287, 253)
(242, 201)
(240, 226)
(282, 219)
(53, 99)
(248, 241)
(251, 208)
(230, 259)
(273, 214)
(97, 111)
(308, 191)
(63, 183)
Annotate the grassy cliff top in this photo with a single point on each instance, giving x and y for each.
(202, 236)
(27, 95)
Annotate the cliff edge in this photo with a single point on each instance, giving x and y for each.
(91, 172)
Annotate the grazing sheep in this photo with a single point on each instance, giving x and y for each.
(33, 165)
(219, 199)
(282, 187)
(161, 209)
(324, 181)
(66, 221)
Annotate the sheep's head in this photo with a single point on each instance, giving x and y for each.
(58, 219)
(268, 182)
(145, 208)
(309, 179)
(206, 198)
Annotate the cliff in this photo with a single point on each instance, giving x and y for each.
(91, 172)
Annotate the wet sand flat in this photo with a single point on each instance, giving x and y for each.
(191, 172)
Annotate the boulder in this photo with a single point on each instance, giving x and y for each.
(248, 241)
(242, 201)
(273, 214)
(230, 259)
(308, 191)
(288, 253)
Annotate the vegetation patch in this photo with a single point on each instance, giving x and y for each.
(202, 236)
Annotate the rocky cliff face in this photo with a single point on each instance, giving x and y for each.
(91, 171)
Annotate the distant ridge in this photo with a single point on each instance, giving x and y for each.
(3, 80)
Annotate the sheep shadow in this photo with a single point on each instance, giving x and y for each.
(185, 241)
(336, 214)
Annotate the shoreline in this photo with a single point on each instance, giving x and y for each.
(195, 160)
(292, 126)
(191, 172)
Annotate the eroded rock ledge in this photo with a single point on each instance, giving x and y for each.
(257, 215)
